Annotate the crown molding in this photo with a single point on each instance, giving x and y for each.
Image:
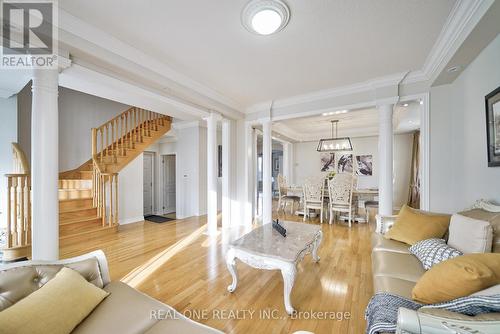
(463, 17)
(370, 85)
(114, 49)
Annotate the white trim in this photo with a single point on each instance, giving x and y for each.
(365, 86)
(92, 82)
(126, 221)
(463, 18)
(80, 28)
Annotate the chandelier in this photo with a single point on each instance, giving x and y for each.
(334, 143)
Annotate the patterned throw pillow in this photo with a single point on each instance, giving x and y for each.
(432, 251)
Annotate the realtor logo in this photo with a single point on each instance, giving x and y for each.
(29, 29)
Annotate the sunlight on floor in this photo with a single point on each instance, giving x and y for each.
(141, 273)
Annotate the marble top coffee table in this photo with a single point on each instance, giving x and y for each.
(265, 248)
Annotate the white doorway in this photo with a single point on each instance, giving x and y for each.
(168, 163)
(148, 180)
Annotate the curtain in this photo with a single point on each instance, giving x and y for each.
(414, 192)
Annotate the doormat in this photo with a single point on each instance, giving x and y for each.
(157, 219)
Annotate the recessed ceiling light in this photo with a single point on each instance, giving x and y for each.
(405, 105)
(454, 69)
(334, 112)
(265, 17)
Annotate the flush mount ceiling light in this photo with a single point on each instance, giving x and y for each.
(335, 112)
(334, 143)
(265, 17)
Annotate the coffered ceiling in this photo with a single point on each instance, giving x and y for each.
(327, 44)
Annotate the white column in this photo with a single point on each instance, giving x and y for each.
(385, 152)
(267, 196)
(212, 174)
(226, 173)
(249, 179)
(45, 165)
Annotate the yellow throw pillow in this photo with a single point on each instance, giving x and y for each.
(412, 226)
(56, 308)
(458, 277)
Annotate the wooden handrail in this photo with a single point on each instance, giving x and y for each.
(110, 141)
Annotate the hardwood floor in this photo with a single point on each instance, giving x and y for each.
(176, 263)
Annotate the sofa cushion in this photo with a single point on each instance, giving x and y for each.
(470, 235)
(397, 265)
(396, 286)
(433, 251)
(412, 226)
(493, 218)
(379, 243)
(57, 307)
(180, 325)
(458, 277)
(126, 310)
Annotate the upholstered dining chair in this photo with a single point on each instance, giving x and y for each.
(313, 197)
(340, 189)
(284, 199)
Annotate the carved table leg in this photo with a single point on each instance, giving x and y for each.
(231, 266)
(317, 242)
(288, 273)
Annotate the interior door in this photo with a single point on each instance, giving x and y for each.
(168, 183)
(148, 184)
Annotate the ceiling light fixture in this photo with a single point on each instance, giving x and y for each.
(405, 105)
(335, 112)
(334, 143)
(265, 17)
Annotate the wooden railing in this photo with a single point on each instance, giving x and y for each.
(18, 214)
(113, 138)
(111, 141)
(105, 195)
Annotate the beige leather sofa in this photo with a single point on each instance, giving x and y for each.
(396, 271)
(125, 310)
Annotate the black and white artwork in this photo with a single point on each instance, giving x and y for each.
(365, 165)
(345, 164)
(493, 127)
(327, 162)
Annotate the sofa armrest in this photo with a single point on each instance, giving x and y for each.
(384, 223)
(435, 321)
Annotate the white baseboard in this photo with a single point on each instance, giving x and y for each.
(131, 220)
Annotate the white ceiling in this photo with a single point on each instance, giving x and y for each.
(327, 44)
(355, 123)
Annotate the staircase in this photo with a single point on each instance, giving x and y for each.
(88, 195)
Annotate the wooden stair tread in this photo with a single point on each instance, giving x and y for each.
(78, 220)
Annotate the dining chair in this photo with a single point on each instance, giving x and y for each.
(283, 197)
(313, 197)
(340, 190)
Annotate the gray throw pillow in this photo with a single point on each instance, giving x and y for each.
(433, 251)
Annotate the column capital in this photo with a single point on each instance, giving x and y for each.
(213, 115)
